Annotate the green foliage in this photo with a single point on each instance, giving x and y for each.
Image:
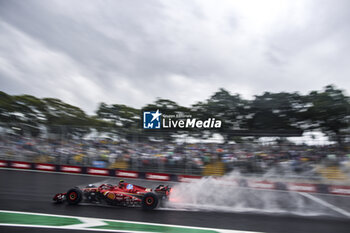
(122, 119)
(327, 110)
(273, 111)
(230, 109)
(31, 113)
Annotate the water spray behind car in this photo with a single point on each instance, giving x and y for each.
(220, 194)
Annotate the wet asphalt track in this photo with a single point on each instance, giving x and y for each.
(32, 192)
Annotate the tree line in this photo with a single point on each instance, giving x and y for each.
(274, 114)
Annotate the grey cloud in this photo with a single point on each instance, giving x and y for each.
(134, 51)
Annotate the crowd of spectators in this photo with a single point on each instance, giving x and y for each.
(249, 158)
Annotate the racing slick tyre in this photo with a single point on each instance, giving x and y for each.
(149, 201)
(74, 196)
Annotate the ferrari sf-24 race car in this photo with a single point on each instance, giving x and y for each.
(123, 194)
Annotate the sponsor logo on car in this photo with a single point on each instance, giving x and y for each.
(111, 195)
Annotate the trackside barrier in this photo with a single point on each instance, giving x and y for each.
(157, 176)
(20, 165)
(45, 167)
(340, 190)
(3, 163)
(126, 174)
(70, 169)
(261, 184)
(301, 187)
(97, 171)
(239, 182)
(187, 178)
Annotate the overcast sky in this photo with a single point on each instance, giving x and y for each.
(131, 52)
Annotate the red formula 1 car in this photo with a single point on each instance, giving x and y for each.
(123, 194)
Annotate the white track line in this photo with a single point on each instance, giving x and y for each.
(326, 204)
(88, 222)
(69, 228)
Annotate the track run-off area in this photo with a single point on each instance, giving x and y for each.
(26, 206)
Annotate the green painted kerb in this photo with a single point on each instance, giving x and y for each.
(150, 228)
(30, 219)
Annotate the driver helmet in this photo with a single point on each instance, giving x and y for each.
(121, 183)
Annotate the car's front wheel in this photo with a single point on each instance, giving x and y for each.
(74, 196)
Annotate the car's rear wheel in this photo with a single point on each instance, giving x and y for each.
(74, 196)
(149, 201)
